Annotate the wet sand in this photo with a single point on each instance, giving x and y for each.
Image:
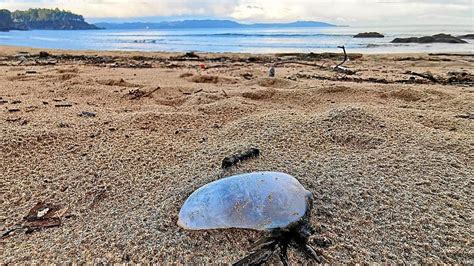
(122, 139)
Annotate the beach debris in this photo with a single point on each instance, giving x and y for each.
(13, 119)
(87, 114)
(137, 93)
(43, 54)
(8, 232)
(120, 83)
(426, 75)
(460, 77)
(63, 105)
(189, 56)
(253, 59)
(16, 102)
(451, 54)
(469, 116)
(44, 215)
(340, 68)
(232, 160)
(31, 108)
(273, 202)
(271, 73)
(247, 76)
(13, 110)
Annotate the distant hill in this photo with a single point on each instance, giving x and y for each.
(43, 19)
(209, 24)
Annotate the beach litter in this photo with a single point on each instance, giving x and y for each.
(271, 73)
(342, 69)
(87, 114)
(63, 105)
(273, 202)
(137, 93)
(469, 116)
(230, 161)
(42, 215)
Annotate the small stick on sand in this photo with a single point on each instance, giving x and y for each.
(428, 76)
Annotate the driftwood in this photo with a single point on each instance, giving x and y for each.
(137, 94)
(345, 56)
(449, 54)
(299, 63)
(427, 76)
(340, 68)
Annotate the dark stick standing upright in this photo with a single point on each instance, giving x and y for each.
(345, 56)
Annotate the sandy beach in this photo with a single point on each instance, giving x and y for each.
(119, 140)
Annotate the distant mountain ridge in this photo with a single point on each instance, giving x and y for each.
(208, 24)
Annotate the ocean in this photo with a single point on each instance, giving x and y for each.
(249, 40)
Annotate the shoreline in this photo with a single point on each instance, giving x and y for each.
(8, 49)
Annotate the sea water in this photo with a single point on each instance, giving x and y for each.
(248, 40)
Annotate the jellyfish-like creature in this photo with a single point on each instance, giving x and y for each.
(262, 201)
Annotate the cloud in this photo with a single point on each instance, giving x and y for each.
(338, 11)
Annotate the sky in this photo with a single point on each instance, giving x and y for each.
(341, 12)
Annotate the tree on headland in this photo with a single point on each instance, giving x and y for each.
(42, 18)
(6, 22)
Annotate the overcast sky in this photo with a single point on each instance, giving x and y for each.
(351, 12)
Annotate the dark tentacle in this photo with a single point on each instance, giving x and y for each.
(258, 257)
(283, 254)
(263, 243)
(307, 250)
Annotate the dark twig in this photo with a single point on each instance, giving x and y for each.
(345, 56)
(428, 76)
(340, 68)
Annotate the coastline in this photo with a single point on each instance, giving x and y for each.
(120, 139)
(12, 49)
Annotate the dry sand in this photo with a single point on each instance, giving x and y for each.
(390, 165)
